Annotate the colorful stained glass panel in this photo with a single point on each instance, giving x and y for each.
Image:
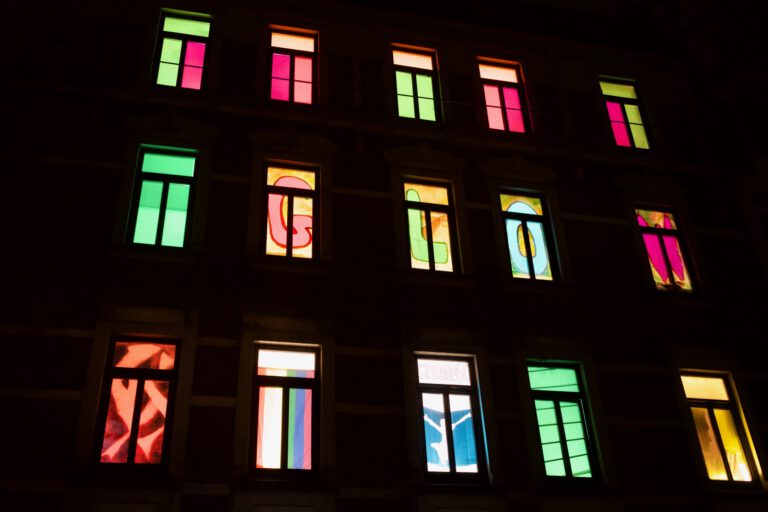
(708, 441)
(462, 429)
(150, 356)
(443, 371)
(117, 431)
(269, 428)
(291, 178)
(734, 453)
(154, 406)
(299, 429)
(435, 435)
(286, 363)
(426, 193)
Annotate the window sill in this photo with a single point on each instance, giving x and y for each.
(155, 253)
(435, 277)
(290, 265)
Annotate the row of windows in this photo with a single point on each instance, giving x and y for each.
(141, 380)
(163, 201)
(293, 62)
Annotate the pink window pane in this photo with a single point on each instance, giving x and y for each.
(154, 405)
(192, 77)
(117, 431)
(511, 98)
(195, 54)
(302, 92)
(492, 98)
(614, 111)
(302, 69)
(620, 134)
(281, 66)
(495, 118)
(515, 120)
(656, 259)
(675, 255)
(280, 89)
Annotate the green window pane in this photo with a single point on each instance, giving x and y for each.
(576, 448)
(553, 379)
(174, 165)
(555, 468)
(171, 51)
(424, 86)
(620, 90)
(427, 109)
(188, 27)
(148, 213)
(405, 106)
(175, 215)
(404, 83)
(580, 467)
(167, 74)
(638, 135)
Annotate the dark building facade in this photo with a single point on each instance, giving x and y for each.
(261, 256)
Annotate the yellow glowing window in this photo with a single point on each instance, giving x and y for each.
(430, 226)
(723, 438)
(291, 201)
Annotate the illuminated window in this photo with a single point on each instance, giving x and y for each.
(430, 230)
(503, 96)
(624, 114)
(561, 412)
(526, 228)
(286, 395)
(448, 396)
(722, 435)
(414, 84)
(290, 209)
(184, 40)
(162, 195)
(140, 382)
(293, 65)
(665, 253)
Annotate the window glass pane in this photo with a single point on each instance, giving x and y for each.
(303, 69)
(417, 233)
(277, 224)
(614, 111)
(192, 78)
(518, 254)
(175, 215)
(424, 86)
(733, 451)
(406, 107)
(427, 109)
(639, 136)
(426, 193)
(148, 212)
(619, 90)
(464, 449)
(300, 429)
(195, 54)
(511, 98)
(171, 51)
(291, 178)
(515, 120)
(633, 114)
(573, 426)
(269, 433)
(492, 97)
(441, 241)
(412, 60)
(281, 66)
(167, 74)
(495, 118)
(302, 227)
(553, 379)
(174, 165)
(708, 442)
(281, 89)
(435, 437)
(549, 435)
(442, 371)
(117, 431)
(293, 42)
(654, 219)
(151, 356)
(706, 388)
(188, 27)
(286, 363)
(404, 83)
(302, 93)
(675, 255)
(154, 404)
(539, 256)
(620, 134)
(521, 204)
(498, 73)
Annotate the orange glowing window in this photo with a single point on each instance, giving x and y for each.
(139, 386)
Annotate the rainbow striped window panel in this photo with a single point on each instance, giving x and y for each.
(286, 394)
(182, 49)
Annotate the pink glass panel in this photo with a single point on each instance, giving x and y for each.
(302, 69)
(515, 120)
(195, 54)
(614, 111)
(656, 258)
(302, 92)
(675, 255)
(192, 77)
(153, 356)
(620, 134)
(495, 119)
(154, 404)
(281, 65)
(492, 98)
(280, 89)
(117, 430)
(511, 98)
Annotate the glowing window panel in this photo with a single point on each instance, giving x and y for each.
(527, 242)
(441, 371)
(429, 227)
(412, 60)
(665, 254)
(292, 74)
(721, 438)
(547, 378)
(152, 356)
(503, 98)
(182, 52)
(627, 125)
(415, 90)
(290, 209)
(285, 409)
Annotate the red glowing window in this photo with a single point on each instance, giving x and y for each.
(139, 383)
(293, 65)
(504, 98)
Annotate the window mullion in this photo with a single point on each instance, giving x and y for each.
(449, 433)
(415, 96)
(667, 262)
(284, 429)
(289, 227)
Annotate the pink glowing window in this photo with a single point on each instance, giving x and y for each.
(184, 39)
(666, 256)
(624, 114)
(293, 67)
(504, 98)
(139, 387)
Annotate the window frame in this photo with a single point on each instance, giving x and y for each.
(427, 209)
(185, 38)
(286, 383)
(292, 53)
(586, 412)
(548, 233)
(519, 86)
(473, 391)
(637, 102)
(413, 71)
(682, 243)
(166, 180)
(111, 373)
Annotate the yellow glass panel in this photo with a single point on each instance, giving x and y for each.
(293, 42)
(709, 448)
(655, 219)
(426, 193)
(707, 388)
(620, 90)
(733, 450)
(302, 227)
(498, 73)
(275, 177)
(441, 234)
(412, 60)
(530, 205)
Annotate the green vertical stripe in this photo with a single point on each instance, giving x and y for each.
(291, 425)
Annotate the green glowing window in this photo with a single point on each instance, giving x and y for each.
(561, 416)
(162, 195)
(430, 226)
(415, 84)
(623, 106)
(723, 437)
(182, 49)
